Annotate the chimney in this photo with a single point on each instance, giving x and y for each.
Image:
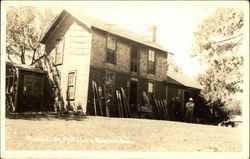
(154, 33)
(149, 33)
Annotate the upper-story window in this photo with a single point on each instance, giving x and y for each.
(59, 51)
(134, 60)
(151, 62)
(111, 50)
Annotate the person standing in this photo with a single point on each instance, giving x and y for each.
(172, 109)
(189, 110)
(177, 106)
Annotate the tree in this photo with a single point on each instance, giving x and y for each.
(217, 44)
(172, 66)
(25, 26)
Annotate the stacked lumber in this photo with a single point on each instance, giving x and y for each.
(97, 98)
(122, 103)
(161, 107)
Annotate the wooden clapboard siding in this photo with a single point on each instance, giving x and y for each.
(77, 52)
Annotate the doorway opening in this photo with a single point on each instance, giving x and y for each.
(184, 96)
(133, 93)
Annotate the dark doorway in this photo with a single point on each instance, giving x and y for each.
(133, 93)
(184, 97)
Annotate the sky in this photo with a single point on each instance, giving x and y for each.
(175, 21)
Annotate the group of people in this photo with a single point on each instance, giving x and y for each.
(175, 112)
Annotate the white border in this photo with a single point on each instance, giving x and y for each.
(79, 154)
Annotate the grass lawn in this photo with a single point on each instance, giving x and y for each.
(117, 134)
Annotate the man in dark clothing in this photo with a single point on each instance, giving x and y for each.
(171, 109)
(177, 105)
(174, 111)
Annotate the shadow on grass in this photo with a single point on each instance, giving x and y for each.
(46, 115)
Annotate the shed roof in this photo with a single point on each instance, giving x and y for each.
(180, 79)
(25, 67)
(92, 22)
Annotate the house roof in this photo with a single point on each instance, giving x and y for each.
(180, 79)
(92, 22)
(25, 67)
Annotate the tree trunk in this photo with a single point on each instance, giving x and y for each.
(23, 58)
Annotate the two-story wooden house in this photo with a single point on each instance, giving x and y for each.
(79, 49)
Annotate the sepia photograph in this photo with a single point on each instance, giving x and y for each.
(125, 79)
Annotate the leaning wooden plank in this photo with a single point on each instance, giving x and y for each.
(98, 98)
(163, 109)
(118, 103)
(126, 102)
(158, 110)
(106, 101)
(166, 108)
(121, 105)
(93, 87)
(146, 100)
(124, 105)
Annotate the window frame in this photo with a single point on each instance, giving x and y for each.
(132, 60)
(74, 86)
(32, 92)
(108, 50)
(153, 92)
(56, 63)
(149, 71)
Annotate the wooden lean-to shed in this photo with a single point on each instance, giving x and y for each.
(181, 86)
(26, 88)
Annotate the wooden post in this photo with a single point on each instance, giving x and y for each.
(17, 87)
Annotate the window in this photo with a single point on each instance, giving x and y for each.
(151, 62)
(9, 84)
(59, 51)
(110, 83)
(57, 79)
(134, 60)
(151, 91)
(111, 50)
(33, 85)
(71, 85)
